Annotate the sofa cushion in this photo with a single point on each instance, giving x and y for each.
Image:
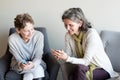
(12, 75)
(116, 78)
(112, 47)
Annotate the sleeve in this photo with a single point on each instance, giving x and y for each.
(38, 50)
(13, 48)
(68, 49)
(92, 44)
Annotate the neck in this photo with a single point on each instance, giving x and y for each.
(26, 40)
(77, 33)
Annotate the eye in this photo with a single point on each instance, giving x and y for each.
(65, 26)
(26, 31)
(68, 25)
(71, 25)
(32, 29)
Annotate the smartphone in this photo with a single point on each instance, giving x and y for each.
(57, 51)
(24, 62)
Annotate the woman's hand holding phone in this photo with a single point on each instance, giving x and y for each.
(59, 54)
(55, 53)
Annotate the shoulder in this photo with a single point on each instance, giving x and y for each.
(38, 34)
(13, 36)
(67, 36)
(92, 34)
(91, 31)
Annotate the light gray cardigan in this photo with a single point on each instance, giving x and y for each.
(93, 51)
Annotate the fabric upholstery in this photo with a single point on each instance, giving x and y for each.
(112, 47)
(52, 64)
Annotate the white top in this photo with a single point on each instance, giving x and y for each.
(93, 51)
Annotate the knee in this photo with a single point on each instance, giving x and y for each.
(81, 68)
(28, 76)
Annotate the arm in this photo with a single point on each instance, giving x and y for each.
(14, 49)
(91, 44)
(38, 50)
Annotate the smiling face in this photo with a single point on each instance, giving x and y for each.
(72, 27)
(26, 32)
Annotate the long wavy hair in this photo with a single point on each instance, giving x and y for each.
(77, 15)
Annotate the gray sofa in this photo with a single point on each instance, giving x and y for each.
(112, 47)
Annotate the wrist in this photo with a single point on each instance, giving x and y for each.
(66, 57)
(19, 67)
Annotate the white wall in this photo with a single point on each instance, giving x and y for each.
(103, 14)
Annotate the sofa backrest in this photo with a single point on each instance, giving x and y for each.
(112, 47)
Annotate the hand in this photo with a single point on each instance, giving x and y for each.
(55, 53)
(27, 66)
(59, 54)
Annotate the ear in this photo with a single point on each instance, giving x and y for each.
(17, 30)
(81, 23)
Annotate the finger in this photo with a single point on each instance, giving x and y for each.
(52, 50)
(57, 57)
(55, 51)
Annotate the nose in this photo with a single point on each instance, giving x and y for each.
(30, 32)
(68, 28)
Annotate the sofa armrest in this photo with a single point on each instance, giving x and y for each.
(2, 70)
(52, 65)
(4, 66)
